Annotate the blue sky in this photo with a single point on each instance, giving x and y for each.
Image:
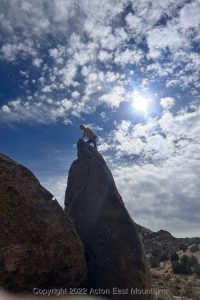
(128, 69)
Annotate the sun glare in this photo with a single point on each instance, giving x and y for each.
(140, 103)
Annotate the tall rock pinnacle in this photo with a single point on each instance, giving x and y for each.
(114, 254)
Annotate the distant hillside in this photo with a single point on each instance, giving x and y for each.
(163, 242)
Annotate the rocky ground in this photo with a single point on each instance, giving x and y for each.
(179, 287)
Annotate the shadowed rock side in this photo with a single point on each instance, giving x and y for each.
(39, 246)
(114, 254)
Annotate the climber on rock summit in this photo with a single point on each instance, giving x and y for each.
(89, 134)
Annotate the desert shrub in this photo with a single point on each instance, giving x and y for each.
(154, 261)
(164, 256)
(177, 280)
(176, 267)
(198, 270)
(188, 292)
(174, 257)
(155, 252)
(192, 261)
(182, 266)
(183, 247)
(194, 248)
(187, 265)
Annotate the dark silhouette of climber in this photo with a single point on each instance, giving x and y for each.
(89, 134)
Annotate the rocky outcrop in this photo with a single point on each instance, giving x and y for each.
(114, 253)
(39, 246)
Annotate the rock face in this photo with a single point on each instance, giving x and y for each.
(39, 246)
(114, 253)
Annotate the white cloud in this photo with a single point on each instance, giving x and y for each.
(81, 37)
(135, 25)
(157, 170)
(103, 115)
(105, 56)
(5, 109)
(37, 62)
(114, 98)
(189, 15)
(146, 15)
(47, 89)
(67, 121)
(67, 104)
(158, 139)
(68, 73)
(10, 51)
(128, 57)
(161, 38)
(33, 111)
(167, 102)
(162, 196)
(145, 83)
(58, 54)
(103, 12)
(75, 94)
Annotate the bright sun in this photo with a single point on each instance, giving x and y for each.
(140, 103)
